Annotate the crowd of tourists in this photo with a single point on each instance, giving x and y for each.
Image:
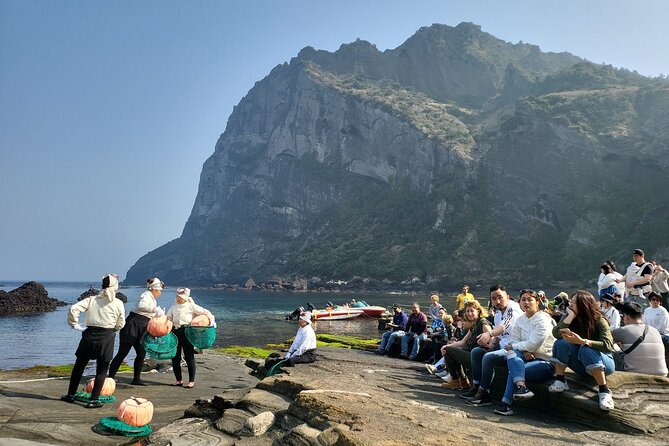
(533, 339)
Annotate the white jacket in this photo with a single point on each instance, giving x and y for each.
(100, 312)
(658, 318)
(305, 339)
(534, 335)
(606, 280)
(183, 314)
(146, 306)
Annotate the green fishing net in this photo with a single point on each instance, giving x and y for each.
(85, 397)
(114, 426)
(200, 337)
(161, 347)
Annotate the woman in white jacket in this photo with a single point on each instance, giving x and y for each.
(181, 314)
(135, 328)
(104, 317)
(607, 280)
(528, 352)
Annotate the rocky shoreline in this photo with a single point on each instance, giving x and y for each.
(347, 397)
(358, 284)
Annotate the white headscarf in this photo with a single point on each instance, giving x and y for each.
(155, 284)
(110, 290)
(184, 293)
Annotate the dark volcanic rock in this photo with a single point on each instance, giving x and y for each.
(94, 292)
(30, 297)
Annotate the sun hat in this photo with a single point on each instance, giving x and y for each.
(607, 297)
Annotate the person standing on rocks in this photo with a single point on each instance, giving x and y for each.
(135, 328)
(181, 314)
(396, 329)
(659, 283)
(464, 297)
(104, 317)
(638, 277)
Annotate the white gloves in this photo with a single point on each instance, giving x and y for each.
(213, 323)
(159, 311)
(79, 327)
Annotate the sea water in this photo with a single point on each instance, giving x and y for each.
(248, 318)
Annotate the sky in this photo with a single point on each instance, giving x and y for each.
(109, 109)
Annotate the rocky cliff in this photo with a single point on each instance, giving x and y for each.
(456, 156)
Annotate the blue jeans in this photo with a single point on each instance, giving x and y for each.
(388, 339)
(522, 370)
(582, 359)
(417, 339)
(483, 365)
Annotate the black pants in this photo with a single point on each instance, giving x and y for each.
(189, 354)
(96, 343)
(304, 358)
(131, 337)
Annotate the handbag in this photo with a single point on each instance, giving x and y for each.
(619, 357)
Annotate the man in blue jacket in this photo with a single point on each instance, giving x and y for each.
(396, 329)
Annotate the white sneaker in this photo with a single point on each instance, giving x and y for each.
(431, 369)
(558, 386)
(447, 377)
(606, 401)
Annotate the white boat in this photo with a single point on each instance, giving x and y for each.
(335, 314)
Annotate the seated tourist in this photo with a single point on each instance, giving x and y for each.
(656, 315)
(607, 305)
(457, 354)
(528, 351)
(490, 350)
(584, 344)
(434, 307)
(396, 329)
(303, 348)
(641, 343)
(416, 332)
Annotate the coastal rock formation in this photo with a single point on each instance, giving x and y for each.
(31, 297)
(455, 156)
(353, 397)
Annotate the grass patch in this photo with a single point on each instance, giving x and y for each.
(342, 341)
(58, 370)
(247, 352)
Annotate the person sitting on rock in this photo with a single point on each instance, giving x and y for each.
(528, 352)
(396, 329)
(416, 332)
(584, 344)
(457, 354)
(105, 315)
(607, 302)
(436, 334)
(434, 307)
(641, 343)
(303, 348)
(490, 350)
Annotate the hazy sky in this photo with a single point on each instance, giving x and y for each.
(109, 108)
